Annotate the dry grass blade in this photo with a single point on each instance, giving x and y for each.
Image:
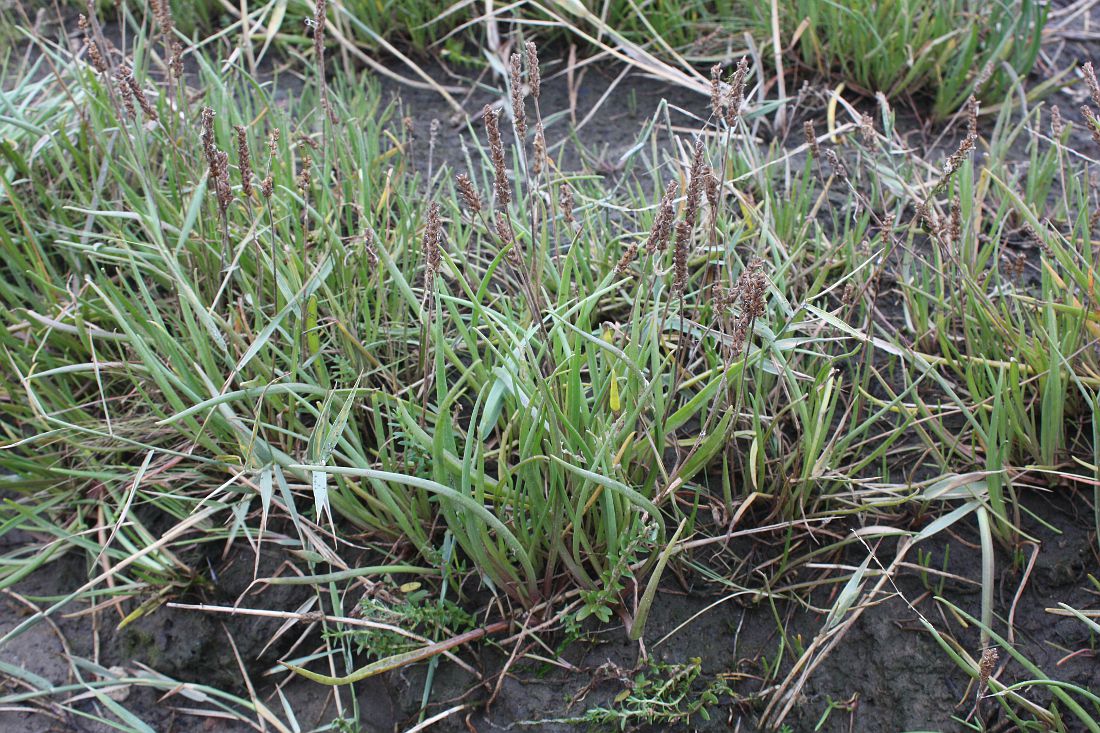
(398, 661)
(683, 74)
(315, 616)
(426, 81)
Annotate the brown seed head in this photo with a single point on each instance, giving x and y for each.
(1090, 81)
(927, 216)
(867, 129)
(983, 76)
(724, 299)
(504, 228)
(1092, 122)
(217, 162)
(94, 54)
(711, 186)
(519, 113)
(175, 58)
(566, 203)
(954, 221)
(123, 78)
(221, 182)
(305, 175)
(680, 257)
(540, 149)
(716, 100)
(267, 187)
(737, 91)
(244, 161)
(811, 138)
(209, 149)
(695, 185)
(750, 292)
(508, 238)
(662, 222)
(737, 338)
(496, 152)
(1056, 123)
(1034, 235)
(835, 163)
(534, 76)
(956, 160)
(972, 116)
(433, 254)
(319, 17)
(147, 107)
(162, 12)
(469, 194)
(986, 666)
(628, 256)
(887, 231)
(273, 142)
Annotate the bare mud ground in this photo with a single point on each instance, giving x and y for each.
(888, 674)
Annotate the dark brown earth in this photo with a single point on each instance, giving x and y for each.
(888, 674)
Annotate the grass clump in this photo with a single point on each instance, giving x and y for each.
(947, 50)
(243, 316)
